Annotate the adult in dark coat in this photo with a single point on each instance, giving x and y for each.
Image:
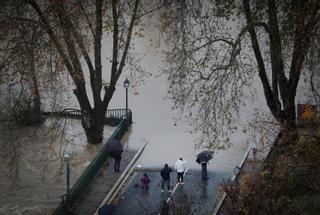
(202, 159)
(117, 160)
(165, 174)
(114, 149)
(204, 170)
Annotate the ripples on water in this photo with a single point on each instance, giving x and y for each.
(32, 169)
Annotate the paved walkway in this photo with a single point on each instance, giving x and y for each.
(195, 196)
(100, 185)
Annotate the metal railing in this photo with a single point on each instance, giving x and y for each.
(236, 173)
(90, 172)
(68, 112)
(112, 116)
(118, 117)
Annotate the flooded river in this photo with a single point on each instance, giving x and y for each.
(32, 169)
(33, 172)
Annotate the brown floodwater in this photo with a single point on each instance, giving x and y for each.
(33, 172)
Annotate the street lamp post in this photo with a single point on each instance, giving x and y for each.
(67, 159)
(126, 86)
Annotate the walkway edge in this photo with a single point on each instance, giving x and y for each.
(217, 208)
(122, 178)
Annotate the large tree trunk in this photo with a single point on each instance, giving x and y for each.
(71, 48)
(289, 114)
(93, 123)
(283, 110)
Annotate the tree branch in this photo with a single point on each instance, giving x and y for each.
(272, 101)
(302, 39)
(87, 18)
(155, 9)
(278, 76)
(79, 41)
(53, 37)
(115, 43)
(126, 47)
(97, 52)
(79, 80)
(115, 73)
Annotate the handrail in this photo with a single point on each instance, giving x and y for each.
(233, 178)
(122, 179)
(95, 165)
(112, 116)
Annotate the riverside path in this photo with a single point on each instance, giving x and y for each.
(196, 195)
(100, 185)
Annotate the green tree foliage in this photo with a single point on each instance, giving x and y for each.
(218, 47)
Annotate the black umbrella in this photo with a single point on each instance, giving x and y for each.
(204, 156)
(114, 148)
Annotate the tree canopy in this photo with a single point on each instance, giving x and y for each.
(218, 47)
(75, 29)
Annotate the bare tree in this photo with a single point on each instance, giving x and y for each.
(218, 45)
(76, 26)
(24, 57)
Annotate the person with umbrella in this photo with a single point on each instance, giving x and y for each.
(203, 158)
(114, 149)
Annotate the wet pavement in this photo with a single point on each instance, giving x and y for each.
(195, 196)
(101, 185)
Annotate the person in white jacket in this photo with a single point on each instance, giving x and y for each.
(180, 167)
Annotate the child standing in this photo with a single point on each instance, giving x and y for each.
(145, 180)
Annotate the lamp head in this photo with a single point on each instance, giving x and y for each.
(126, 83)
(67, 157)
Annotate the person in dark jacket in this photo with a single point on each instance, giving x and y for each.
(204, 170)
(165, 174)
(117, 160)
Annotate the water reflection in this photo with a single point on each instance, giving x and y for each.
(32, 164)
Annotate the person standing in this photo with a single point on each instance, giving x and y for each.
(117, 160)
(145, 180)
(165, 174)
(114, 150)
(204, 170)
(203, 159)
(180, 167)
